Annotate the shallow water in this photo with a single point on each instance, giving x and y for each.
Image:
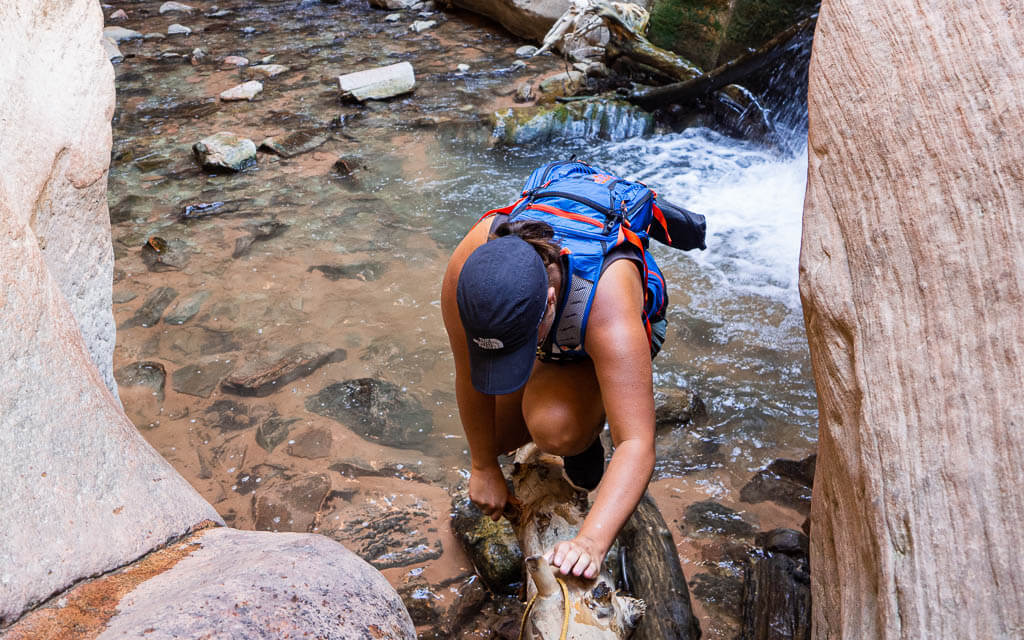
(425, 173)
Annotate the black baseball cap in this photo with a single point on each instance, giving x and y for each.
(502, 295)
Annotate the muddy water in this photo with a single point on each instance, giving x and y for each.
(424, 172)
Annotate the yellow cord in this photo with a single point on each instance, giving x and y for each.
(565, 615)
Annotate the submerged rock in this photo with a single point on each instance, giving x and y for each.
(709, 517)
(200, 379)
(143, 374)
(293, 144)
(234, 61)
(186, 308)
(376, 410)
(257, 233)
(289, 505)
(491, 545)
(244, 91)
(365, 271)
(262, 378)
(225, 151)
(785, 482)
(159, 254)
(379, 83)
(603, 119)
(152, 309)
(311, 444)
(563, 84)
(273, 431)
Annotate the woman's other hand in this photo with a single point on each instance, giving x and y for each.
(580, 556)
(487, 489)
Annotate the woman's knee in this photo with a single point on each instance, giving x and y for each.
(556, 431)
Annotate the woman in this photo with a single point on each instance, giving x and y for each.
(500, 296)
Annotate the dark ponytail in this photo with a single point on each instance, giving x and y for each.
(538, 234)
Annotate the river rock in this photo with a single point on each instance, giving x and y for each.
(293, 144)
(366, 271)
(120, 34)
(200, 379)
(392, 17)
(711, 518)
(677, 407)
(376, 410)
(786, 482)
(110, 49)
(379, 83)
(234, 61)
(269, 70)
(152, 309)
(245, 91)
(562, 84)
(311, 444)
(118, 16)
(146, 374)
(392, 5)
(257, 233)
(424, 606)
(227, 415)
(526, 51)
(524, 92)
(225, 151)
(261, 378)
(289, 505)
(386, 536)
(186, 308)
(419, 26)
(178, 30)
(175, 7)
(491, 545)
(159, 254)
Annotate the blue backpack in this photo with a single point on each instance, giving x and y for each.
(593, 212)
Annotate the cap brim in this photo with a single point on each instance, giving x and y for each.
(497, 375)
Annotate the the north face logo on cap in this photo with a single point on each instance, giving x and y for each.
(489, 343)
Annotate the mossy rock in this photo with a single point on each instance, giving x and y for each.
(583, 119)
(711, 32)
(492, 545)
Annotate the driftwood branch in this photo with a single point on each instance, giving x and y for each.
(696, 87)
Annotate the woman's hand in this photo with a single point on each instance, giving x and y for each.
(580, 556)
(487, 489)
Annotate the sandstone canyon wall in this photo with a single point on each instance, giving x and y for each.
(912, 267)
(81, 492)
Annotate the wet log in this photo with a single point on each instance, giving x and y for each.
(625, 42)
(697, 86)
(551, 510)
(651, 571)
(777, 589)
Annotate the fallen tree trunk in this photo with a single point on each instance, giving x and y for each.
(693, 88)
(652, 572)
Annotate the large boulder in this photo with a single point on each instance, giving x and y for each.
(528, 19)
(911, 274)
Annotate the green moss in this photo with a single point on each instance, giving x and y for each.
(754, 22)
(691, 28)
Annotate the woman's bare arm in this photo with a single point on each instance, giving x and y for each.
(617, 342)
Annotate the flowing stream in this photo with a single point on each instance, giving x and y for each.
(424, 171)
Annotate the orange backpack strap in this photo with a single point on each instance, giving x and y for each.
(659, 215)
